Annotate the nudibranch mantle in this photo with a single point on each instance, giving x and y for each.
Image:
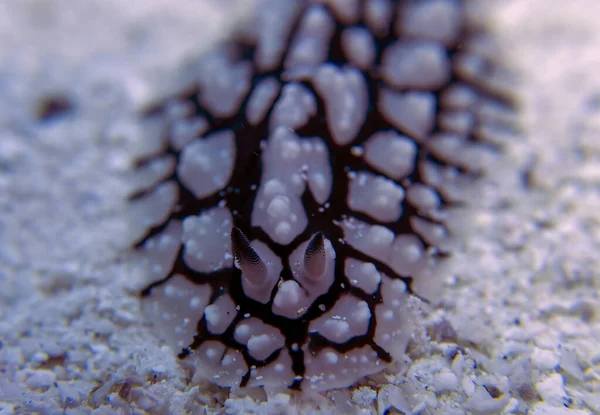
(303, 189)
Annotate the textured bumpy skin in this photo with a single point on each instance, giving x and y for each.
(313, 163)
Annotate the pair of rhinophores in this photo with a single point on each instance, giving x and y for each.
(301, 199)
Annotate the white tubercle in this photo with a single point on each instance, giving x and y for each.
(318, 175)
(154, 171)
(281, 215)
(359, 47)
(349, 317)
(260, 345)
(459, 97)
(423, 197)
(391, 153)
(474, 69)
(288, 164)
(184, 130)
(223, 83)
(431, 174)
(261, 99)
(495, 134)
(310, 44)
(220, 314)
(295, 106)
(216, 363)
(344, 91)
(373, 240)
(413, 112)
(329, 369)
(276, 376)
(457, 121)
(394, 323)
(162, 249)
(433, 233)
(431, 19)
(479, 156)
(262, 339)
(274, 24)
(490, 111)
(446, 180)
(376, 196)
(447, 146)
(415, 64)
(206, 240)
(407, 256)
(206, 164)
(154, 208)
(363, 275)
(178, 108)
(378, 16)
(174, 310)
(346, 11)
(290, 300)
(457, 150)
(404, 253)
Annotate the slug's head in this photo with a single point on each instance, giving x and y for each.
(308, 273)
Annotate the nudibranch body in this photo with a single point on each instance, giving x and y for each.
(306, 177)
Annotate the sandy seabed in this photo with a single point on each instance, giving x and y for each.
(523, 296)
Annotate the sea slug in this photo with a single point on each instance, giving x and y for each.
(307, 174)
